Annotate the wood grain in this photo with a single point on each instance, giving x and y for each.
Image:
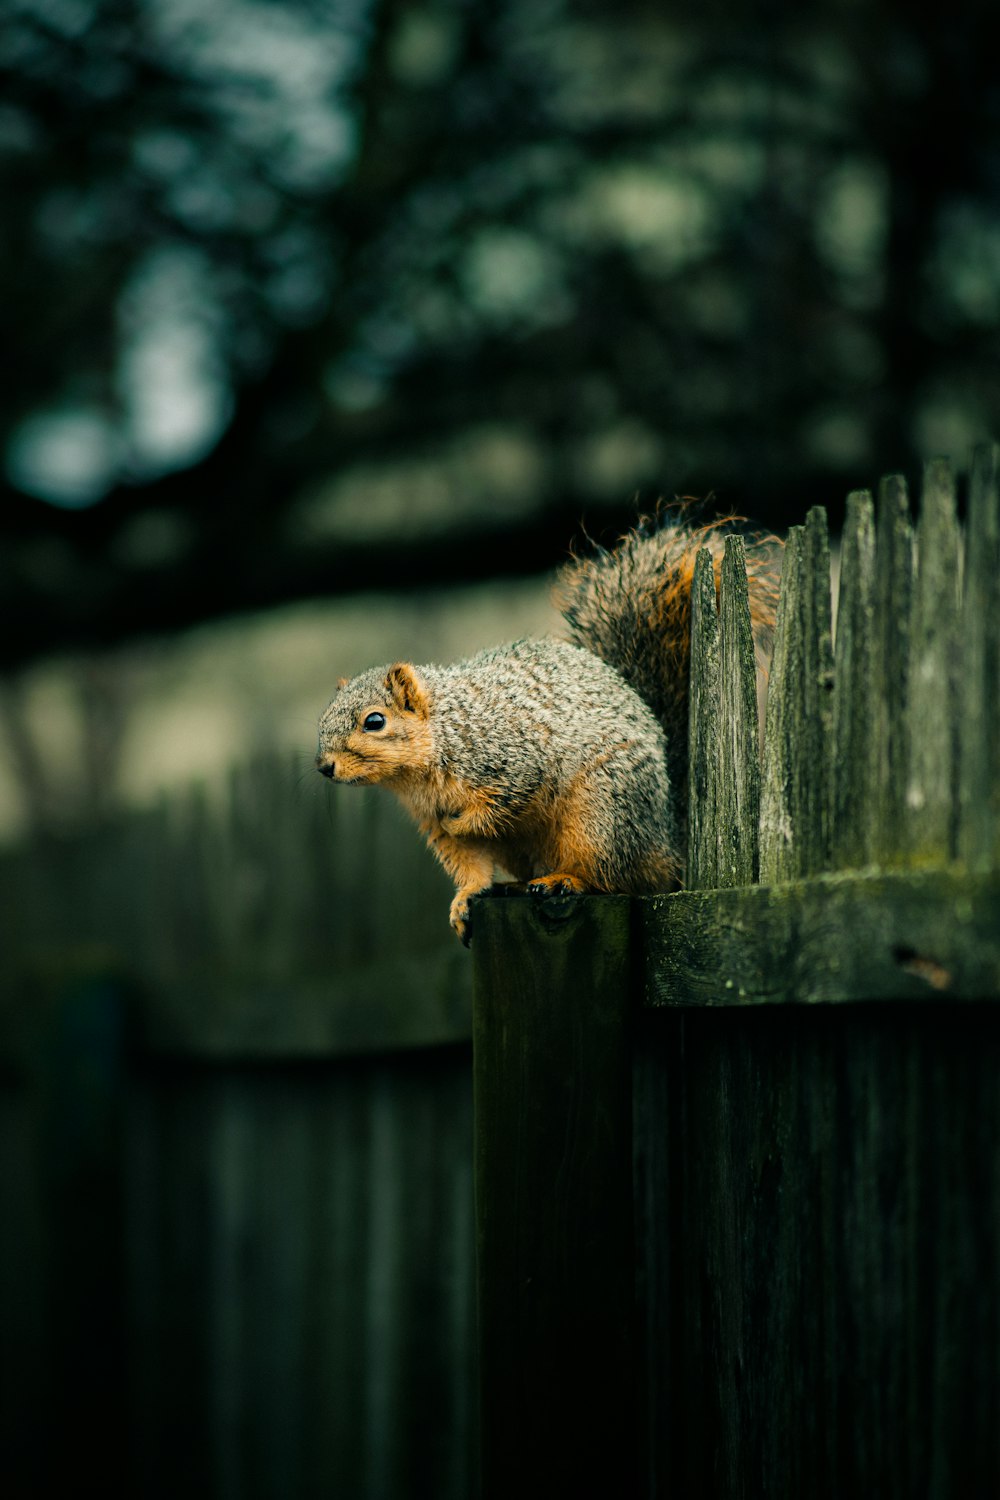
(703, 739)
(554, 1196)
(836, 939)
(738, 765)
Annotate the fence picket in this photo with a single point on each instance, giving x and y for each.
(979, 706)
(891, 657)
(855, 808)
(816, 722)
(777, 833)
(554, 1176)
(795, 826)
(738, 799)
(703, 848)
(702, 867)
(931, 702)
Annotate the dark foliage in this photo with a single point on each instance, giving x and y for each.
(308, 297)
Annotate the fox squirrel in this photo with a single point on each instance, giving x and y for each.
(563, 764)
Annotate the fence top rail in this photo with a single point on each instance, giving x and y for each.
(257, 924)
(839, 938)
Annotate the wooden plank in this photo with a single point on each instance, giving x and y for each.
(932, 703)
(834, 939)
(738, 801)
(395, 1003)
(301, 1280)
(552, 1071)
(979, 707)
(387, 1004)
(854, 815)
(262, 874)
(893, 605)
(78, 1078)
(703, 736)
(795, 816)
(249, 923)
(777, 834)
(824, 1215)
(814, 739)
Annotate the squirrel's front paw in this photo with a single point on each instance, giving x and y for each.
(459, 917)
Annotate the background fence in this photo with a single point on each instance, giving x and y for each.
(236, 1232)
(736, 1178)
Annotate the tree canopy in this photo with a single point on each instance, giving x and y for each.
(311, 297)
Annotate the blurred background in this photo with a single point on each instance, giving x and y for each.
(365, 304)
(327, 325)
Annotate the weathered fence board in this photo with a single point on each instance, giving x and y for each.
(738, 788)
(932, 706)
(300, 1280)
(261, 923)
(777, 834)
(703, 830)
(893, 604)
(240, 1261)
(814, 747)
(819, 1288)
(979, 702)
(840, 938)
(554, 1197)
(796, 800)
(855, 780)
(62, 1372)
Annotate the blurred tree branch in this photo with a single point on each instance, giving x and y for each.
(724, 243)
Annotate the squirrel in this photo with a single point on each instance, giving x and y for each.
(562, 763)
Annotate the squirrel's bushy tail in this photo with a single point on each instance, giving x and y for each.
(632, 607)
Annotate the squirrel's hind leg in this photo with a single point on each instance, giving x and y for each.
(614, 831)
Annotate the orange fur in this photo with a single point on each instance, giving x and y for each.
(479, 811)
(666, 612)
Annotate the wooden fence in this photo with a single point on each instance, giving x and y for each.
(236, 1199)
(737, 1186)
(737, 1163)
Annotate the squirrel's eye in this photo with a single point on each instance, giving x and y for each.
(374, 721)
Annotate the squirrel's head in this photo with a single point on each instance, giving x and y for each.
(377, 727)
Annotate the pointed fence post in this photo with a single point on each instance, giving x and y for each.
(893, 605)
(703, 834)
(979, 748)
(932, 704)
(855, 783)
(738, 796)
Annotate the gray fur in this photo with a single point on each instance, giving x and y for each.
(534, 718)
(564, 759)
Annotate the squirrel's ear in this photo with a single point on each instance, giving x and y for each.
(342, 682)
(407, 689)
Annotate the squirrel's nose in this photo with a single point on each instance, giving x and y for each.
(327, 768)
